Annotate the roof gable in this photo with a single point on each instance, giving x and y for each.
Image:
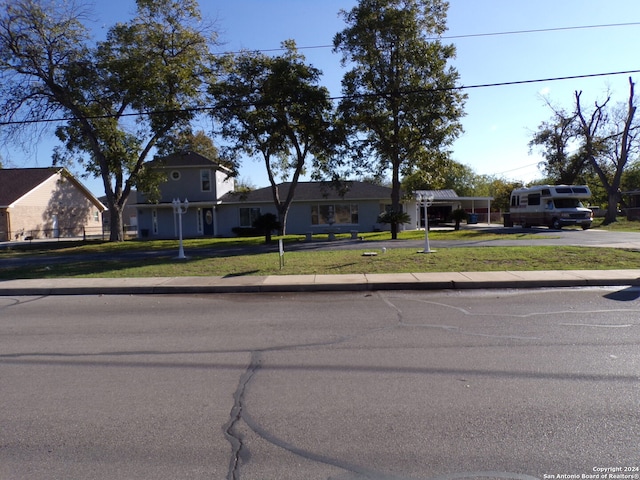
(17, 182)
(186, 159)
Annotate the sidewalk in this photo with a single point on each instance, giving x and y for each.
(320, 283)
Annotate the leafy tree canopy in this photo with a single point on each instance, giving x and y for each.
(592, 144)
(117, 98)
(400, 98)
(273, 108)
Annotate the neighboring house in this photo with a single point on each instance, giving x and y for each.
(192, 177)
(633, 206)
(317, 207)
(46, 203)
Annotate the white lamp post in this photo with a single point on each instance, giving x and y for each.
(180, 208)
(425, 200)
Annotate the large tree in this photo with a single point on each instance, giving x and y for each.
(273, 107)
(609, 141)
(116, 98)
(555, 138)
(187, 141)
(400, 96)
(441, 173)
(596, 142)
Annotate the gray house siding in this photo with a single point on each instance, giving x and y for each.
(191, 177)
(353, 206)
(300, 219)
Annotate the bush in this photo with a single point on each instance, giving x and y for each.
(246, 231)
(266, 224)
(392, 217)
(459, 215)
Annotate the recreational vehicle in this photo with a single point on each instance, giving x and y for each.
(555, 206)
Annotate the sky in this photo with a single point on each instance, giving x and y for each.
(499, 121)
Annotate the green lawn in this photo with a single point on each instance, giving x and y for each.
(397, 258)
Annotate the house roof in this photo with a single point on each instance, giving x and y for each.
(313, 191)
(17, 182)
(186, 159)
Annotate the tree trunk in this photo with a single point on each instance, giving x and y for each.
(612, 209)
(283, 212)
(395, 196)
(117, 226)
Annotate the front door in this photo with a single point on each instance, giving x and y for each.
(207, 221)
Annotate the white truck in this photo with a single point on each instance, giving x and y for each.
(555, 206)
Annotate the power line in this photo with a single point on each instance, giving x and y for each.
(504, 84)
(379, 94)
(470, 35)
(542, 30)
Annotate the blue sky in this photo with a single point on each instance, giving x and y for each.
(499, 120)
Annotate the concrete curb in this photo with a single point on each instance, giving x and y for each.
(320, 283)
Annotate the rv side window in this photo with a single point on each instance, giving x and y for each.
(515, 200)
(534, 199)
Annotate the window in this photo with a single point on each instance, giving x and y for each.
(344, 213)
(175, 175)
(205, 180)
(248, 215)
(387, 207)
(534, 199)
(96, 216)
(154, 220)
(199, 220)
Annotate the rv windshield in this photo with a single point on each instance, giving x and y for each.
(567, 203)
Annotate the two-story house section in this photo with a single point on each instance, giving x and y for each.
(189, 176)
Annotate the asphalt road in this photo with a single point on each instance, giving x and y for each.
(344, 386)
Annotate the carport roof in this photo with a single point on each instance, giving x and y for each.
(442, 196)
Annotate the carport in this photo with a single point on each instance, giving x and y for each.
(446, 201)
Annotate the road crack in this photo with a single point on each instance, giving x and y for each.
(231, 430)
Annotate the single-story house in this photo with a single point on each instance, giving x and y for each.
(317, 207)
(46, 203)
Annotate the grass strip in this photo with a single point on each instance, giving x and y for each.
(394, 260)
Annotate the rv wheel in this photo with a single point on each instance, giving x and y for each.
(555, 224)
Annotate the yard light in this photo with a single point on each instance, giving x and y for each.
(180, 208)
(425, 200)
